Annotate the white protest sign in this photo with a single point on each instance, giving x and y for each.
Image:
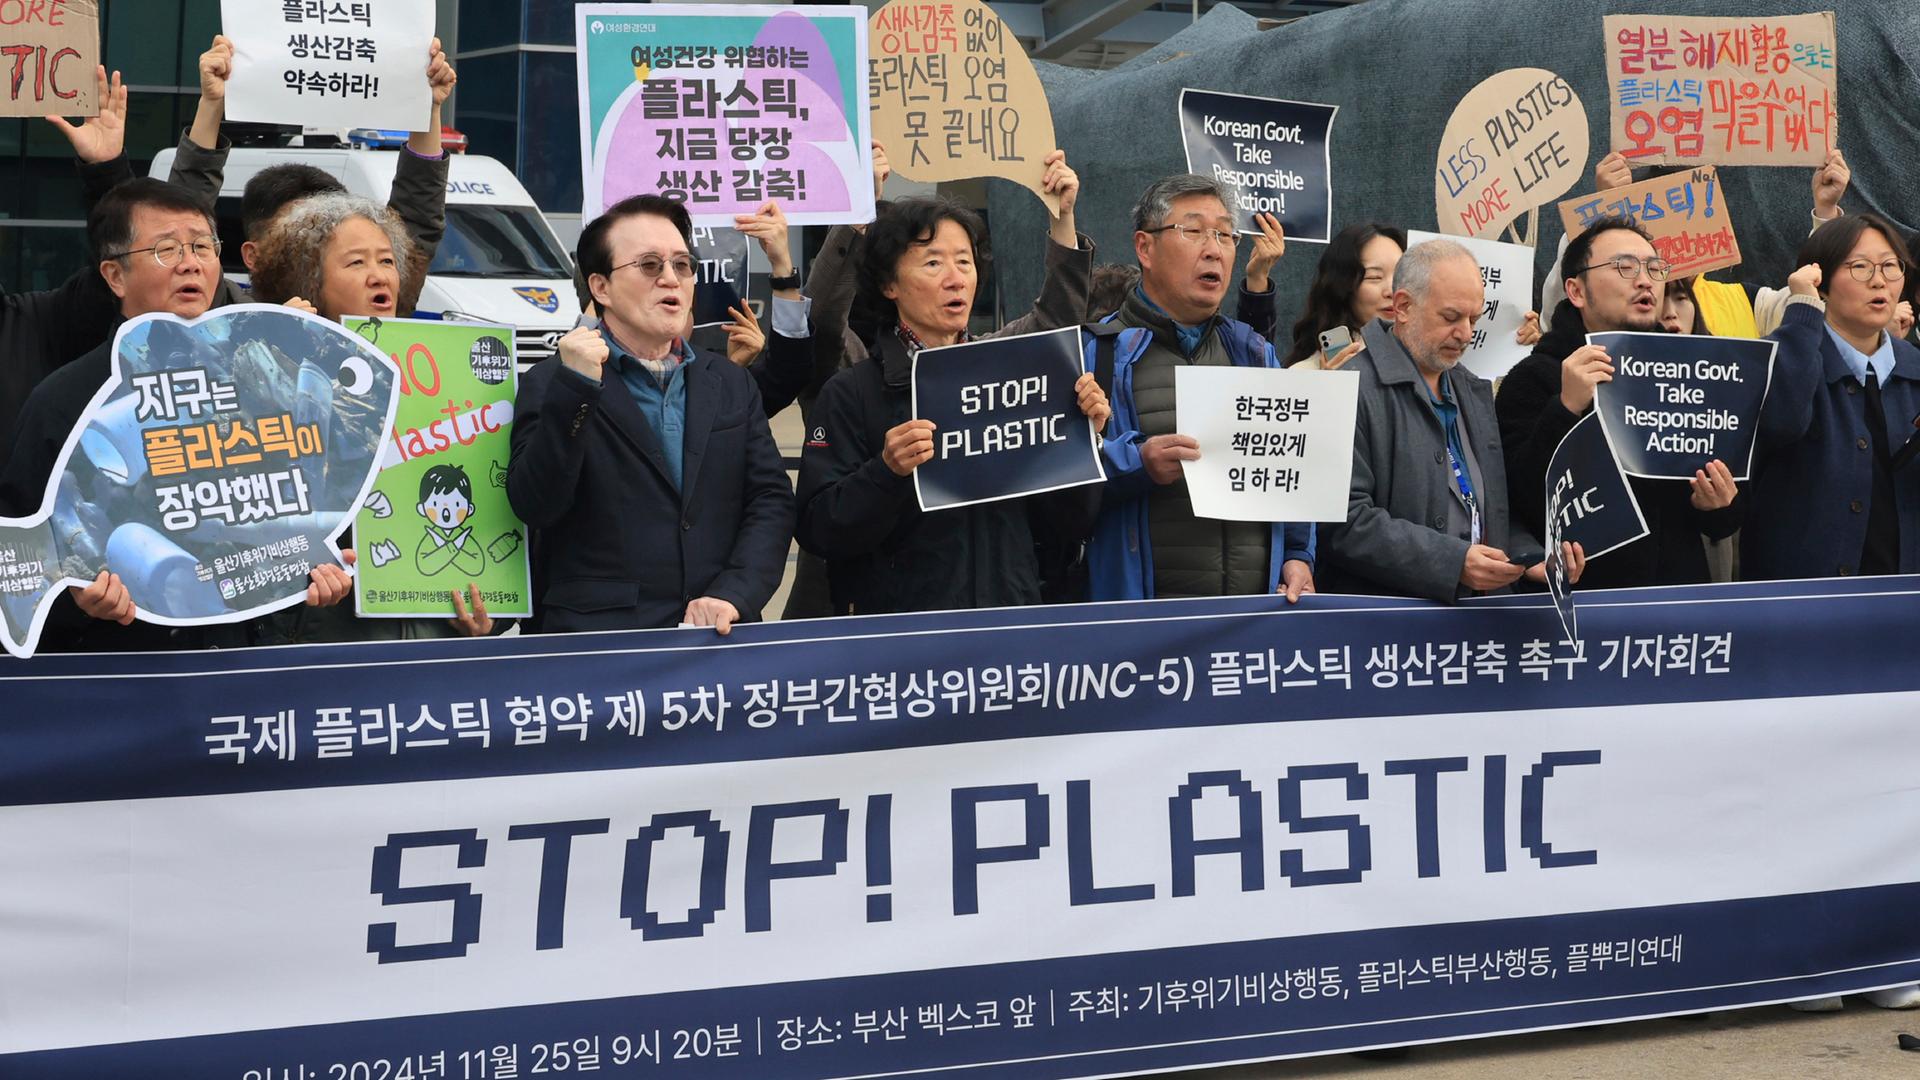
(1507, 271)
(1275, 444)
(330, 63)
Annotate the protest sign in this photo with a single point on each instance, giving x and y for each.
(1275, 445)
(438, 520)
(1684, 212)
(1133, 836)
(1687, 90)
(1589, 501)
(330, 63)
(213, 471)
(1506, 271)
(1273, 155)
(1516, 141)
(1677, 401)
(1006, 420)
(724, 107)
(50, 48)
(954, 95)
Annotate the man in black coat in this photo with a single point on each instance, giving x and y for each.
(646, 469)
(1613, 279)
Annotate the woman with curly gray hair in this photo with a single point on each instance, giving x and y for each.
(344, 254)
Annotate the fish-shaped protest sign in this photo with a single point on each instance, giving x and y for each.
(216, 467)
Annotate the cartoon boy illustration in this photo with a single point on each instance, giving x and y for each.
(446, 501)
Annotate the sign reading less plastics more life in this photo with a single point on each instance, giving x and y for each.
(1272, 154)
(1506, 272)
(327, 63)
(1517, 140)
(954, 96)
(1007, 421)
(725, 107)
(1685, 213)
(1756, 90)
(48, 50)
(1677, 401)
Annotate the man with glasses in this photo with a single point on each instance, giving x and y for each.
(646, 469)
(1614, 281)
(1427, 512)
(1147, 542)
(157, 254)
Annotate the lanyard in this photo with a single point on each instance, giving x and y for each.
(1462, 476)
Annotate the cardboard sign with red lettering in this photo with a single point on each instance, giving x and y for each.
(48, 50)
(1704, 91)
(1516, 141)
(1684, 212)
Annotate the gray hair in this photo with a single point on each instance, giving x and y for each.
(1415, 271)
(290, 259)
(1157, 201)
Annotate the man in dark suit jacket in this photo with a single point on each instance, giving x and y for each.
(647, 470)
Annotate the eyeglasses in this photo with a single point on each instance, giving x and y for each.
(1862, 270)
(168, 253)
(654, 266)
(1629, 267)
(1198, 236)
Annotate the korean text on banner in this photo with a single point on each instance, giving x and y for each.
(438, 521)
(1506, 272)
(1516, 141)
(50, 48)
(1275, 445)
(1676, 402)
(1685, 213)
(1048, 843)
(216, 467)
(1273, 155)
(954, 95)
(1006, 420)
(330, 63)
(725, 107)
(1685, 90)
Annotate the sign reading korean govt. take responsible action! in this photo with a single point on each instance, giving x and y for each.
(1272, 154)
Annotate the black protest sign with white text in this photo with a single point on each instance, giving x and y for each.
(1272, 154)
(1006, 418)
(1677, 401)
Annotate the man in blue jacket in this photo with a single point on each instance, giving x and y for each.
(1148, 543)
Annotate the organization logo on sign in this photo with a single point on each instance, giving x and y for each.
(545, 299)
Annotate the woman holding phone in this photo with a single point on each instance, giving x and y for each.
(1352, 286)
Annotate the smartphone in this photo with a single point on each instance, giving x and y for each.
(1332, 341)
(1527, 559)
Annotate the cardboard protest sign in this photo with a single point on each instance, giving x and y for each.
(1589, 501)
(1759, 90)
(1516, 141)
(1272, 154)
(724, 107)
(1684, 212)
(50, 48)
(1006, 420)
(1677, 401)
(1507, 272)
(954, 95)
(328, 63)
(438, 520)
(212, 472)
(1275, 444)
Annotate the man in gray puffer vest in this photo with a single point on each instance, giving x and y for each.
(1148, 543)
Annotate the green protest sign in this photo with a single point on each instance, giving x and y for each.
(438, 518)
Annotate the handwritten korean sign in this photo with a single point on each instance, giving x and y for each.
(1697, 91)
(1684, 212)
(954, 95)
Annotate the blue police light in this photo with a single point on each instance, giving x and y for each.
(377, 138)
